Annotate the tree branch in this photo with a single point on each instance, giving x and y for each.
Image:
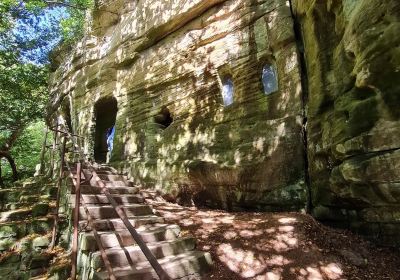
(7, 155)
(69, 5)
(64, 4)
(1, 178)
(13, 138)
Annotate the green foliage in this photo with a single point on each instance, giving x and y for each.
(23, 92)
(26, 150)
(72, 28)
(23, 84)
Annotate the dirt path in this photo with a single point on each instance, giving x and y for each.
(280, 246)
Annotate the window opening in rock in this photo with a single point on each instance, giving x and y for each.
(269, 79)
(105, 114)
(164, 118)
(227, 90)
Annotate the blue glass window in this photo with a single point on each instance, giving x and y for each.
(269, 79)
(227, 90)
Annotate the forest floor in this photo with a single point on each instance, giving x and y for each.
(283, 246)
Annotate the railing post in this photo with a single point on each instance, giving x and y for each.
(43, 152)
(52, 158)
(59, 183)
(76, 221)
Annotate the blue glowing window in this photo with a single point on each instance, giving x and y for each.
(269, 79)
(227, 91)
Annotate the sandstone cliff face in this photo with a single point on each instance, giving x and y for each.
(171, 57)
(167, 63)
(352, 58)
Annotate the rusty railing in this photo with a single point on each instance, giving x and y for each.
(85, 163)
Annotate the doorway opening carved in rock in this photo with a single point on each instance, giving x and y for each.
(105, 112)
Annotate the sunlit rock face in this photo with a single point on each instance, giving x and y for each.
(353, 64)
(168, 60)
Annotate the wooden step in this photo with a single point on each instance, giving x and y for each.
(115, 183)
(117, 224)
(112, 177)
(108, 211)
(120, 238)
(126, 256)
(102, 199)
(174, 253)
(87, 189)
(179, 266)
(102, 167)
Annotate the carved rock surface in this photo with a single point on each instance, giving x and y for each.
(353, 65)
(173, 56)
(167, 63)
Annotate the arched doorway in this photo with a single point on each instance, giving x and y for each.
(105, 111)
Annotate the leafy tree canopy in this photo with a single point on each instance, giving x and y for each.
(29, 30)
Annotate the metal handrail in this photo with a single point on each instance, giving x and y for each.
(77, 185)
(59, 183)
(78, 201)
(142, 245)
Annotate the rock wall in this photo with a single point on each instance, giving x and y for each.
(166, 63)
(352, 59)
(173, 56)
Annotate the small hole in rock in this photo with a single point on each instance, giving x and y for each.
(347, 115)
(351, 55)
(164, 118)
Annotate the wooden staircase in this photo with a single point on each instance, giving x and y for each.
(175, 253)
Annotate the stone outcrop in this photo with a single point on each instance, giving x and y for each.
(352, 59)
(170, 57)
(25, 228)
(329, 133)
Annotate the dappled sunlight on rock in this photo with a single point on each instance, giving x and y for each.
(287, 220)
(258, 246)
(263, 246)
(174, 54)
(230, 235)
(250, 233)
(240, 261)
(332, 271)
(282, 242)
(286, 228)
(275, 274)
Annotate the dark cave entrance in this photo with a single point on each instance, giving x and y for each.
(105, 111)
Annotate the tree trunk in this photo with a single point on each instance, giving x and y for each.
(13, 137)
(1, 178)
(43, 153)
(7, 155)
